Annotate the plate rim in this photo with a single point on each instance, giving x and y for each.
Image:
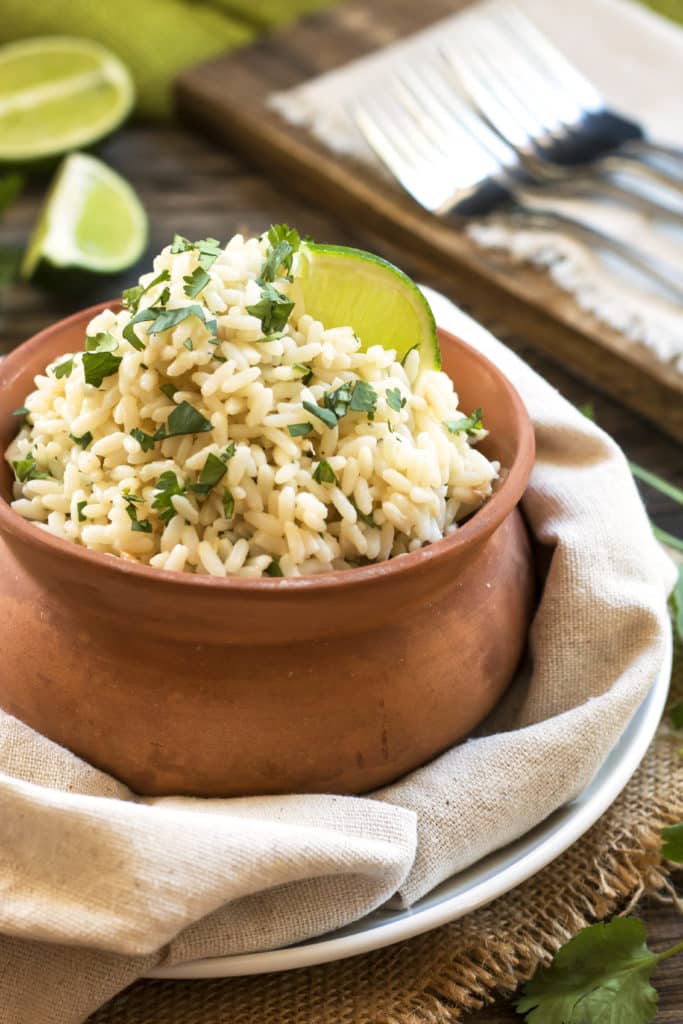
(635, 740)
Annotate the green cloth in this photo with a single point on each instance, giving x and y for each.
(155, 38)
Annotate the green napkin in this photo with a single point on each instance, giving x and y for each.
(155, 38)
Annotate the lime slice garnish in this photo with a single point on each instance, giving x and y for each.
(92, 220)
(342, 286)
(59, 94)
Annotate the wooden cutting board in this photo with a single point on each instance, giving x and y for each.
(226, 97)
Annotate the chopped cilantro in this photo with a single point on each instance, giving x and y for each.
(213, 471)
(228, 503)
(64, 368)
(395, 400)
(167, 318)
(324, 474)
(299, 429)
(80, 505)
(167, 487)
(131, 296)
(98, 365)
(21, 411)
(209, 249)
(284, 242)
(102, 342)
(84, 440)
(185, 419)
(274, 568)
(305, 371)
(26, 469)
(272, 309)
(136, 525)
(229, 452)
(196, 282)
(326, 415)
(365, 517)
(364, 398)
(139, 318)
(188, 345)
(338, 401)
(146, 441)
(169, 390)
(469, 424)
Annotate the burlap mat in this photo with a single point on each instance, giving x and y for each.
(437, 977)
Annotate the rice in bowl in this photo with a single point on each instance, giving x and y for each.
(213, 426)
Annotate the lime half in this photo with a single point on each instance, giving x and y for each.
(92, 220)
(341, 286)
(58, 94)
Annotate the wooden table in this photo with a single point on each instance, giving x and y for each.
(189, 186)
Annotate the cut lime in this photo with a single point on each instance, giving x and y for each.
(92, 220)
(59, 94)
(341, 286)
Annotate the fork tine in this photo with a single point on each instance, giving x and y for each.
(554, 62)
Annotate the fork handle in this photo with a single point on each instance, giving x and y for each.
(550, 220)
(644, 147)
(600, 185)
(638, 165)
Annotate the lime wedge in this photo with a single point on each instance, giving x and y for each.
(58, 94)
(92, 220)
(341, 286)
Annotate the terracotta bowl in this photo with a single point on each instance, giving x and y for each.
(339, 683)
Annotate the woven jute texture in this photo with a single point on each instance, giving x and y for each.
(438, 977)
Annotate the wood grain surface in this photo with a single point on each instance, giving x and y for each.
(226, 97)
(189, 186)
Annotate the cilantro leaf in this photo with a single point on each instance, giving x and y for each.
(603, 973)
(102, 342)
(188, 345)
(339, 399)
(364, 398)
(185, 419)
(305, 371)
(99, 364)
(84, 440)
(131, 296)
(284, 242)
(64, 368)
(21, 411)
(395, 399)
(209, 249)
(326, 415)
(26, 469)
(469, 424)
(299, 429)
(364, 516)
(167, 487)
(213, 471)
(196, 282)
(272, 309)
(139, 318)
(228, 503)
(673, 843)
(169, 390)
(167, 318)
(324, 474)
(80, 505)
(274, 568)
(146, 441)
(136, 525)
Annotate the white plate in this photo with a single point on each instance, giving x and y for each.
(468, 890)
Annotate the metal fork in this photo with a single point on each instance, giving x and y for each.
(541, 104)
(449, 161)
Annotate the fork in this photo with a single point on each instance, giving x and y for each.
(541, 104)
(449, 161)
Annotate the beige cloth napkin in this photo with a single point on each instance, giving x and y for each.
(634, 57)
(97, 885)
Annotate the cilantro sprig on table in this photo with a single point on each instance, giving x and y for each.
(602, 974)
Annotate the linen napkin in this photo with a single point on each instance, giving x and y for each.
(98, 885)
(634, 58)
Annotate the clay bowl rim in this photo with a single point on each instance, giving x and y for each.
(484, 521)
